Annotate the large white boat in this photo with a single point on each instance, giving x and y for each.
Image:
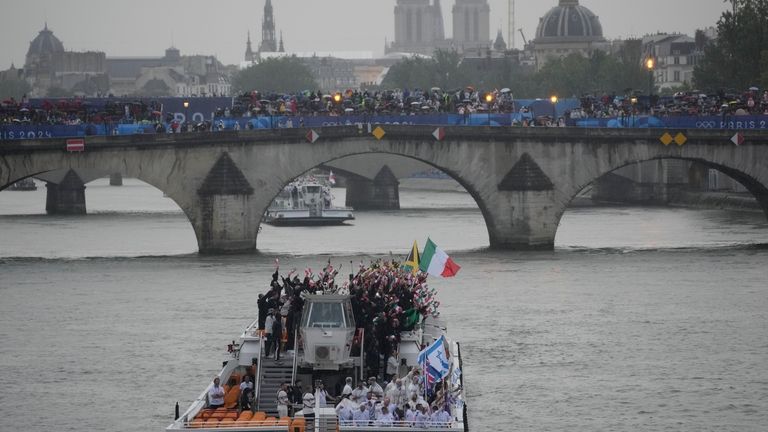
(326, 348)
(305, 202)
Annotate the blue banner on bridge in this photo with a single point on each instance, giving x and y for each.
(24, 132)
(677, 122)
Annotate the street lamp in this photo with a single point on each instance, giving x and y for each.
(650, 65)
(554, 100)
(489, 102)
(186, 114)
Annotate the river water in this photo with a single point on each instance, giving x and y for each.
(642, 319)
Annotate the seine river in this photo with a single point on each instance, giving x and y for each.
(642, 319)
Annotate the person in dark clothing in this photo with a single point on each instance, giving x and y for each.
(277, 333)
(263, 310)
(246, 400)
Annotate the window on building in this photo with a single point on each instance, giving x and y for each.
(677, 76)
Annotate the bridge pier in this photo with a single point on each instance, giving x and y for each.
(227, 221)
(381, 193)
(524, 221)
(116, 179)
(67, 197)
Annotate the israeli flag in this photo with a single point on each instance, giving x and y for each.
(434, 360)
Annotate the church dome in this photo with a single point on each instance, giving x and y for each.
(569, 20)
(45, 43)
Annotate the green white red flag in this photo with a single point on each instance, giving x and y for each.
(436, 262)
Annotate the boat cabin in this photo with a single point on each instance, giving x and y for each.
(327, 329)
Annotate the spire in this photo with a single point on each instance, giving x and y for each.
(499, 44)
(248, 49)
(282, 47)
(268, 42)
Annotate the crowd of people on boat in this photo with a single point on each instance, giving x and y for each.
(387, 299)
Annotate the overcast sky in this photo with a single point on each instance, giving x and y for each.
(146, 28)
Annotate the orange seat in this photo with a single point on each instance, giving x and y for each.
(227, 422)
(196, 423)
(298, 424)
(259, 415)
(231, 398)
(205, 414)
(221, 413)
(245, 415)
(211, 423)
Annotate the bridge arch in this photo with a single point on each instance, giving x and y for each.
(42, 166)
(754, 180)
(303, 168)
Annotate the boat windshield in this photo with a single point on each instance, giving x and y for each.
(313, 189)
(326, 315)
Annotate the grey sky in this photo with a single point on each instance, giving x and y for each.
(146, 28)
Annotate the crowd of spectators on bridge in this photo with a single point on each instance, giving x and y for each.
(466, 101)
(364, 102)
(77, 111)
(690, 103)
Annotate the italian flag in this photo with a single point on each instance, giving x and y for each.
(436, 262)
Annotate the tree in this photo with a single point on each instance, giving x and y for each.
(414, 72)
(279, 75)
(733, 59)
(14, 88)
(59, 92)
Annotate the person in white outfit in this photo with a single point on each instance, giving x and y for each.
(361, 417)
(347, 388)
(385, 418)
(282, 400)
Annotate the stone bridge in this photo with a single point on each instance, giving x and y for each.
(522, 179)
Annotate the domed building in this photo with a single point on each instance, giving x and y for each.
(49, 65)
(39, 65)
(566, 29)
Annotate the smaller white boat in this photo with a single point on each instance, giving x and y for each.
(306, 202)
(23, 185)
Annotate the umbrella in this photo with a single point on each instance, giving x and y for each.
(436, 89)
(753, 88)
(348, 110)
(470, 88)
(506, 90)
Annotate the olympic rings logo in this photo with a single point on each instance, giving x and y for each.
(706, 125)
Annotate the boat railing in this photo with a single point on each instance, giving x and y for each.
(251, 425)
(252, 330)
(295, 356)
(362, 354)
(257, 384)
(429, 426)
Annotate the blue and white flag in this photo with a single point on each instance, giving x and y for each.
(456, 377)
(434, 361)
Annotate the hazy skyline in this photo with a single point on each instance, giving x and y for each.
(144, 28)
